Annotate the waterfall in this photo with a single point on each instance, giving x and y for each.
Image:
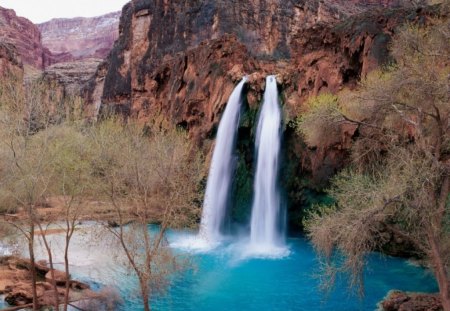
(265, 232)
(222, 169)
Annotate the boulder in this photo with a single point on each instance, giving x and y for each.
(60, 277)
(401, 301)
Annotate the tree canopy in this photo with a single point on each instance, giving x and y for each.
(399, 180)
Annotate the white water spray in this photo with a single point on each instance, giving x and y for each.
(265, 233)
(222, 169)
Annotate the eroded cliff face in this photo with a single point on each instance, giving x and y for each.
(10, 62)
(25, 36)
(171, 54)
(70, 39)
(71, 77)
(178, 62)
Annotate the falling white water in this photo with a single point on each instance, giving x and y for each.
(221, 170)
(265, 233)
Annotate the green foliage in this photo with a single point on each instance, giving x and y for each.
(147, 173)
(243, 191)
(248, 118)
(400, 180)
(320, 124)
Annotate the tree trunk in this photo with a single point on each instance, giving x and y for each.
(441, 275)
(52, 269)
(33, 268)
(146, 295)
(437, 258)
(66, 266)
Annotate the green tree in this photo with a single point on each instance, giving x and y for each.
(400, 178)
(41, 156)
(26, 172)
(148, 179)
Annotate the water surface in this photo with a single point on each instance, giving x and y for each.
(228, 278)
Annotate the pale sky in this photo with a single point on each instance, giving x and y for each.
(39, 11)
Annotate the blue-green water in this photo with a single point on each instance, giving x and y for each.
(223, 280)
(3, 304)
(227, 279)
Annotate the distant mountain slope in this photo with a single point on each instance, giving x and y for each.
(80, 38)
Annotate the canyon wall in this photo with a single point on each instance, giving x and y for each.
(70, 39)
(178, 62)
(304, 42)
(10, 62)
(59, 40)
(25, 36)
(182, 59)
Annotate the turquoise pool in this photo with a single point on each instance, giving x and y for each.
(224, 280)
(227, 278)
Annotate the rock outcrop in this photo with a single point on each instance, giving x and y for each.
(302, 41)
(400, 301)
(71, 77)
(62, 40)
(10, 62)
(25, 36)
(70, 39)
(16, 283)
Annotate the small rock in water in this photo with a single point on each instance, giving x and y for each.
(401, 301)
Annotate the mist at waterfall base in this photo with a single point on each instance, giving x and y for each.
(266, 236)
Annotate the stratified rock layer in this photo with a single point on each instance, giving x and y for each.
(71, 39)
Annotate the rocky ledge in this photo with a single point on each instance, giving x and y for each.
(15, 283)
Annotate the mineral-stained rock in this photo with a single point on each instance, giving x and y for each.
(312, 52)
(71, 39)
(180, 61)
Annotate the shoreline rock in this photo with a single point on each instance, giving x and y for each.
(15, 283)
(401, 301)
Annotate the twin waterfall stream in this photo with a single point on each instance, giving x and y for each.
(222, 168)
(266, 229)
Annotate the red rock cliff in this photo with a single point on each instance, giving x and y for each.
(179, 61)
(315, 46)
(24, 35)
(10, 63)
